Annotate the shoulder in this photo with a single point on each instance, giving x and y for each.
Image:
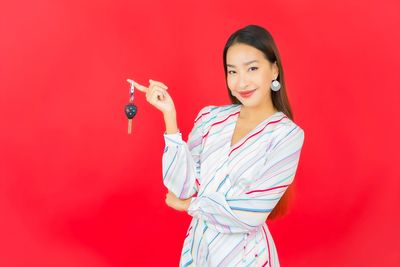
(287, 129)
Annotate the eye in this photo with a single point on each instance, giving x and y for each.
(231, 71)
(253, 68)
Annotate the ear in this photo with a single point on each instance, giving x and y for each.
(275, 70)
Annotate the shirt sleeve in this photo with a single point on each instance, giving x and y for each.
(244, 212)
(181, 160)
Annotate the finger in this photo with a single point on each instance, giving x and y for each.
(153, 88)
(150, 95)
(156, 86)
(163, 95)
(159, 84)
(156, 95)
(137, 85)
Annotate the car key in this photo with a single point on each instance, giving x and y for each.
(130, 108)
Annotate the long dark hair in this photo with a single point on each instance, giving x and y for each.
(261, 39)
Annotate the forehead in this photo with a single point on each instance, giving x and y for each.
(239, 53)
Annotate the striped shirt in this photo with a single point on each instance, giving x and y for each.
(233, 187)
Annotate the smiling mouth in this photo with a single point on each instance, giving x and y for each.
(247, 93)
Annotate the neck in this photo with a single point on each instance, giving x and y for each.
(257, 113)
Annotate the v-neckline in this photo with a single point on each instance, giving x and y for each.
(236, 117)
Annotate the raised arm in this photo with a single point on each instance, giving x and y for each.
(181, 160)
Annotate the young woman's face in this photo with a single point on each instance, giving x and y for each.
(249, 75)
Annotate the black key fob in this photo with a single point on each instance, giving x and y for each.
(130, 110)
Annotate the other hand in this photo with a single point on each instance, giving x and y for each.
(176, 203)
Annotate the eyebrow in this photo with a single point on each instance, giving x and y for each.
(247, 63)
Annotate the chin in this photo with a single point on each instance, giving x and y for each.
(250, 102)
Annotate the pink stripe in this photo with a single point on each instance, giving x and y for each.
(194, 144)
(271, 122)
(201, 116)
(188, 231)
(218, 122)
(263, 190)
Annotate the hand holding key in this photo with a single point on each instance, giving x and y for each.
(157, 95)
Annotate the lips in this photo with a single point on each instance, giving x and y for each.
(246, 94)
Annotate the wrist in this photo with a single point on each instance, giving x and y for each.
(187, 204)
(171, 126)
(171, 114)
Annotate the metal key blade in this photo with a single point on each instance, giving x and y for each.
(130, 126)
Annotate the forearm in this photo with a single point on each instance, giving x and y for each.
(179, 164)
(181, 160)
(171, 125)
(179, 167)
(176, 203)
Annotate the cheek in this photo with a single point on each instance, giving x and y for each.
(265, 80)
(230, 82)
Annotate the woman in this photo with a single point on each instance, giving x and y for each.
(238, 161)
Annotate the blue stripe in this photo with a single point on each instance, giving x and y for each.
(214, 238)
(242, 149)
(173, 141)
(214, 116)
(209, 245)
(230, 107)
(228, 124)
(222, 183)
(194, 232)
(259, 254)
(186, 251)
(201, 239)
(253, 210)
(226, 211)
(251, 262)
(173, 159)
(204, 122)
(188, 263)
(296, 127)
(212, 178)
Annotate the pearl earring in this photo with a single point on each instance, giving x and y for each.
(275, 85)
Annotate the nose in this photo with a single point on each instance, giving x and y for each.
(243, 81)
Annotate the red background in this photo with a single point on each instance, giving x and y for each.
(77, 190)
